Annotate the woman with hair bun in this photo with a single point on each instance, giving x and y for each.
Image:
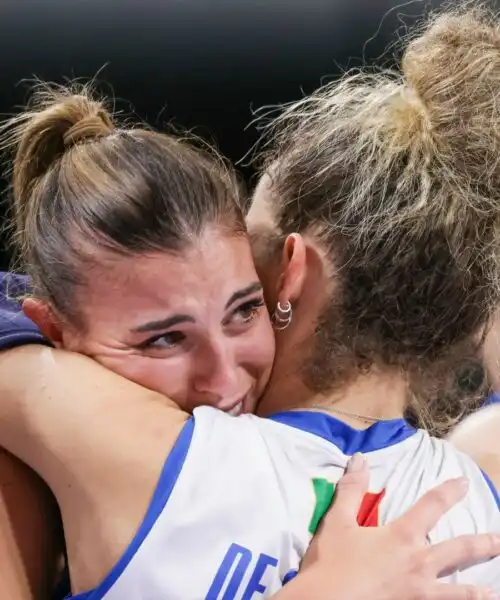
(376, 230)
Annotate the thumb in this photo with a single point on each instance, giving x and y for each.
(349, 492)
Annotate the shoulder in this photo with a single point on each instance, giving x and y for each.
(245, 444)
(218, 431)
(429, 462)
(478, 436)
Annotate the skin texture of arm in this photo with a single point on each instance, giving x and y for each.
(479, 434)
(113, 427)
(31, 537)
(479, 437)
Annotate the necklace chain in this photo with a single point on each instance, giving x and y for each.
(344, 413)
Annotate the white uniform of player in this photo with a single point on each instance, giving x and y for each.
(240, 497)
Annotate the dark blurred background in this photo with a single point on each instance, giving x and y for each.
(201, 64)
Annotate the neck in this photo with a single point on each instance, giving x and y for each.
(377, 396)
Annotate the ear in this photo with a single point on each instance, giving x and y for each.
(291, 282)
(42, 315)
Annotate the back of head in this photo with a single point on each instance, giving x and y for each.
(398, 175)
(81, 184)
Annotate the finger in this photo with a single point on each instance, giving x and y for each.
(447, 591)
(428, 510)
(349, 492)
(346, 503)
(466, 550)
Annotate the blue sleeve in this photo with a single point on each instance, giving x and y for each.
(493, 398)
(15, 328)
(493, 489)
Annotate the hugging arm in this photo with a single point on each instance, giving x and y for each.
(92, 436)
(31, 538)
(100, 434)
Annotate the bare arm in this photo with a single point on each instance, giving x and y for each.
(479, 434)
(93, 437)
(479, 437)
(31, 539)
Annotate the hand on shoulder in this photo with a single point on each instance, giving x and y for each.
(393, 562)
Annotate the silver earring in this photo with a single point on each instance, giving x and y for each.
(282, 316)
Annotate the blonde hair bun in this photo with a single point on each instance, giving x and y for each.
(452, 72)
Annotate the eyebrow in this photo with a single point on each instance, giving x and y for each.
(163, 324)
(250, 289)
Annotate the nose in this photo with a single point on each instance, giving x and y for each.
(218, 375)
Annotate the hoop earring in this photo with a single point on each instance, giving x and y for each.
(282, 316)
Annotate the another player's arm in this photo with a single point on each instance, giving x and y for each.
(479, 437)
(31, 538)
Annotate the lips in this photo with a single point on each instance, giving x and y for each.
(239, 407)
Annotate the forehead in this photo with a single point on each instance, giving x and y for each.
(206, 273)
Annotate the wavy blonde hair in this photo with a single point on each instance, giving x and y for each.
(398, 176)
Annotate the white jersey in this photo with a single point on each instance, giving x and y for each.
(240, 498)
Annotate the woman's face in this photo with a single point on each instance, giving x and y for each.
(192, 326)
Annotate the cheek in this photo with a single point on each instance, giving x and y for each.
(260, 349)
(168, 377)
